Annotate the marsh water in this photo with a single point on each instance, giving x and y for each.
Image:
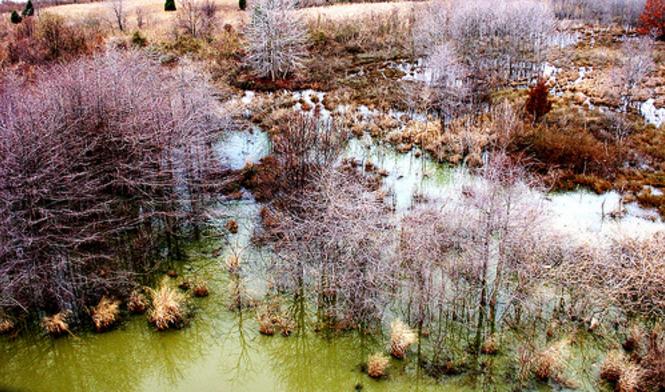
(222, 350)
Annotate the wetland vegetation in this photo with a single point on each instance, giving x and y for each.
(301, 196)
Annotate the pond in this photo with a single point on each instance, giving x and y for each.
(222, 350)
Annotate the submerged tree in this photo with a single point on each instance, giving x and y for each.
(448, 81)
(94, 181)
(277, 39)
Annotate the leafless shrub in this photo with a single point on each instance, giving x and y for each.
(336, 246)
(624, 12)
(502, 39)
(448, 80)
(376, 365)
(197, 18)
(276, 37)
(101, 160)
(637, 63)
(119, 14)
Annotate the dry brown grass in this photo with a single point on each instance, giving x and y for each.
(6, 326)
(376, 365)
(549, 363)
(401, 338)
(137, 303)
(57, 324)
(106, 313)
(168, 308)
(201, 289)
(613, 367)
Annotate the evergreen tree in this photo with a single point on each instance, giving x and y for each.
(652, 20)
(169, 5)
(15, 18)
(29, 10)
(242, 4)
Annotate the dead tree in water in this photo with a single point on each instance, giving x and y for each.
(101, 160)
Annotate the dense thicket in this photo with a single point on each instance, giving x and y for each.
(101, 161)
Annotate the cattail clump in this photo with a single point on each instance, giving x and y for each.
(266, 326)
(201, 289)
(233, 264)
(168, 308)
(56, 325)
(6, 326)
(401, 338)
(613, 367)
(232, 226)
(376, 365)
(137, 303)
(105, 314)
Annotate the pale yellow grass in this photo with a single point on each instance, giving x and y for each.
(157, 20)
(345, 11)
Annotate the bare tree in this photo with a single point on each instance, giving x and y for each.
(197, 17)
(636, 64)
(337, 247)
(119, 14)
(448, 80)
(102, 161)
(276, 37)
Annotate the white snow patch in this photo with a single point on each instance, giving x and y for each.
(652, 114)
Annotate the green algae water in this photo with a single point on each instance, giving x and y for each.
(221, 349)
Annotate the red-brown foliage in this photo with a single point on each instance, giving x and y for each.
(538, 103)
(652, 20)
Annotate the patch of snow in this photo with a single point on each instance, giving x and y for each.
(588, 215)
(651, 114)
(583, 71)
(550, 72)
(248, 97)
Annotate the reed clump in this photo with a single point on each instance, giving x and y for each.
(106, 313)
(200, 289)
(137, 303)
(401, 338)
(377, 365)
(6, 326)
(57, 324)
(168, 308)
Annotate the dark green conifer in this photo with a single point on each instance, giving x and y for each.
(242, 4)
(169, 5)
(15, 18)
(29, 10)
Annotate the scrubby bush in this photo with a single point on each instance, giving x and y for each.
(168, 308)
(102, 162)
(538, 103)
(624, 12)
(197, 18)
(276, 38)
(106, 313)
(401, 338)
